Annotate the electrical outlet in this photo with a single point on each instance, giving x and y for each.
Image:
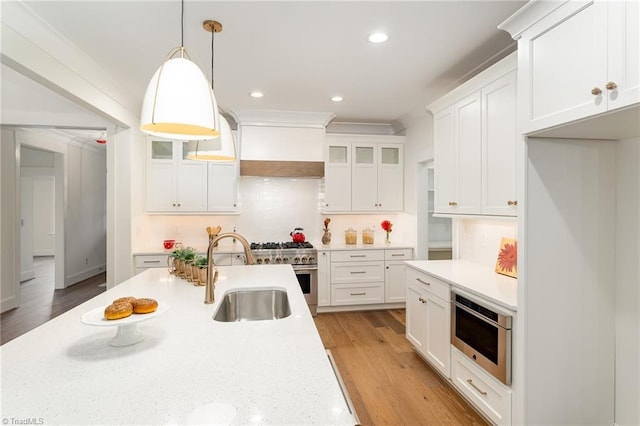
(86, 260)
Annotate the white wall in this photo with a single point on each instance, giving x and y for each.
(627, 304)
(9, 222)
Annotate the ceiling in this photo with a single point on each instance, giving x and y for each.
(298, 53)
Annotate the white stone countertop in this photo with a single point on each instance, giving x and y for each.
(360, 246)
(189, 369)
(480, 280)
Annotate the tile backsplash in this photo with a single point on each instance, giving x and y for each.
(479, 240)
(269, 209)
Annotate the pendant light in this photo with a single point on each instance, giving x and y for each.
(222, 148)
(179, 103)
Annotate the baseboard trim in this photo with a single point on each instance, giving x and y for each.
(29, 274)
(83, 275)
(351, 308)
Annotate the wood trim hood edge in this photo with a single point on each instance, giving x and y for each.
(309, 169)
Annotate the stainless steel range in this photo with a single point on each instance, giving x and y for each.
(303, 257)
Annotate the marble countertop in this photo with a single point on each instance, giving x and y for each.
(189, 369)
(476, 279)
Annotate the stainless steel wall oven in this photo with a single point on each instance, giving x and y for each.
(483, 334)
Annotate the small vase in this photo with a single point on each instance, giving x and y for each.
(387, 240)
(326, 237)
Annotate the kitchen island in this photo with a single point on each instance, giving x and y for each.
(189, 369)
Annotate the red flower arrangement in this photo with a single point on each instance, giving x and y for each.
(387, 225)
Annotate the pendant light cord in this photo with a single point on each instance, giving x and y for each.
(182, 24)
(213, 32)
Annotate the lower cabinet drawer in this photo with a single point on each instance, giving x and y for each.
(486, 393)
(152, 261)
(357, 294)
(357, 272)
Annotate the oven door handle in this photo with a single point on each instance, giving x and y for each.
(477, 315)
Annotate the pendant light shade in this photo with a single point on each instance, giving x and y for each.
(222, 148)
(179, 103)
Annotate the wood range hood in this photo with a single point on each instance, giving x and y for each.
(278, 168)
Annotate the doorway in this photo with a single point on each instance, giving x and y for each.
(41, 212)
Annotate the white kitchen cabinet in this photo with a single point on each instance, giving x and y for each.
(474, 145)
(576, 60)
(429, 318)
(324, 278)
(146, 261)
(394, 274)
(377, 177)
(357, 277)
(490, 396)
(499, 141)
(222, 187)
(174, 183)
(337, 175)
(364, 173)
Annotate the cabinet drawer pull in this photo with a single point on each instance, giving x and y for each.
(596, 91)
(422, 300)
(452, 203)
(611, 86)
(512, 203)
(483, 393)
(423, 282)
(150, 261)
(359, 294)
(358, 255)
(358, 272)
(398, 254)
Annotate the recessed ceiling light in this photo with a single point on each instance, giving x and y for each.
(337, 99)
(378, 38)
(256, 94)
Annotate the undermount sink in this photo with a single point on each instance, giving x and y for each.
(253, 305)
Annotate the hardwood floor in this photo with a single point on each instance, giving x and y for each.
(40, 301)
(388, 382)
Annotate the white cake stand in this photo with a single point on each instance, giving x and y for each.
(127, 333)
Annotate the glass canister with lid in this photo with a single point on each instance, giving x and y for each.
(350, 236)
(367, 236)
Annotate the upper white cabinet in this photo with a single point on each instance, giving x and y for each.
(174, 183)
(475, 145)
(337, 175)
(222, 187)
(364, 173)
(576, 60)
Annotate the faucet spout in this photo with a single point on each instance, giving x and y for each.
(212, 275)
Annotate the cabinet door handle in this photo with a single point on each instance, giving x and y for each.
(483, 393)
(358, 272)
(596, 91)
(150, 261)
(453, 203)
(423, 282)
(611, 85)
(394, 255)
(358, 255)
(422, 300)
(359, 294)
(512, 203)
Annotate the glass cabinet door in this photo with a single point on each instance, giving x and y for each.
(161, 150)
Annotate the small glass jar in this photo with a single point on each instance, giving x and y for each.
(367, 236)
(350, 236)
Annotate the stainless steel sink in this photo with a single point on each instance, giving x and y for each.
(253, 305)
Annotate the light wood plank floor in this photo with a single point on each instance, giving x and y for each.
(388, 382)
(40, 301)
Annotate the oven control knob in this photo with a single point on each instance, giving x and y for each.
(267, 260)
(312, 259)
(296, 260)
(259, 261)
(285, 259)
(278, 259)
(304, 259)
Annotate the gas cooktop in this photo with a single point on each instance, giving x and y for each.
(281, 246)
